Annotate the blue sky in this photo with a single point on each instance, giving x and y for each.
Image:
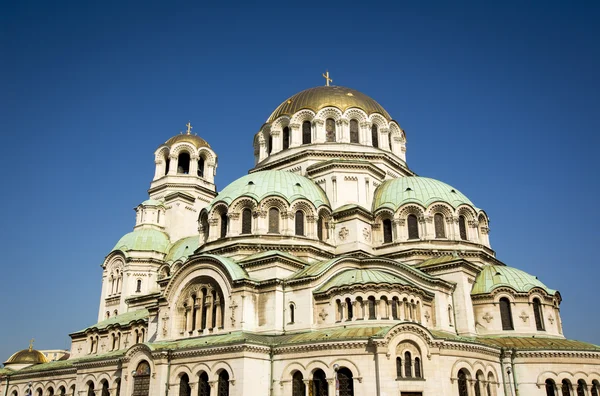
(501, 101)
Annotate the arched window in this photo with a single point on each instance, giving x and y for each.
(413, 227)
(61, 391)
(319, 383)
(141, 379)
(440, 230)
(306, 132)
(90, 391)
(348, 309)
(550, 386)
(346, 382)
(462, 227)
(390, 141)
(566, 387)
(407, 365)
(201, 167)
(270, 144)
(479, 378)
(299, 222)
(450, 314)
(418, 373)
(506, 314)
(330, 130)
(537, 313)
(353, 131)
(184, 386)
(223, 384)
(286, 138)
(320, 225)
(372, 308)
(398, 367)
(183, 163)
(105, 391)
(339, 310)
(292, 308)
(298, 387)
(387, 231)
(595, 388)
(51, 390)
(118, 390)
(395, 305)
(274, 221)
(203, 385)
(223, 225)
(488, 386)
(462, 383)
(375, 136)
(138, 288)
(581, 387)
(246, 221)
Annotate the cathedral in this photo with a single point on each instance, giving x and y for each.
(331, 268)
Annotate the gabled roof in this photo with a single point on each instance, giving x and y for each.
(351, 277)
(492, 277)
(122, 320)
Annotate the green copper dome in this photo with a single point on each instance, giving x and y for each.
(494, 276)
(183, 248)
(144, 240)
(421, 190)
(286, 185)
(362, 277)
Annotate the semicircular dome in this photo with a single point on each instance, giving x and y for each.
(492, 277)
(196, 140)
(27, 356)
(362, 277)
(318, 98)
(421, 190)
(144, 240)
(286, 185)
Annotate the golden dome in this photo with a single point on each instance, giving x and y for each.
(320, 97)
(27, 356)
(196, 140)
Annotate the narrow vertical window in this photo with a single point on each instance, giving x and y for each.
(353, 131)
(246, 221)
(372, 308)
(299, 222)
(139, 286)
(550, 388)
(413, 227)
(292, 308)
(270, 148)
(398, 367)
(418, 373)
(201, 167)
(462, 227)
(223, 225)
(274, 221)
(298, 386)
(203, 385)
(537, 312)
(330, 130)
(183, 163)
(407, 365)
(346, 382)
(581, 387)
(387, 231)
(223, 384)
(438, 220)
(506, 314)
(375, 136)
(306, 132)
(320, 224)
(348, 309)
(395, 304)
(566, 388)
(319, 383)
(286, 138)
(595, 388)
(390, 140)
(462, 383)
(184, 386)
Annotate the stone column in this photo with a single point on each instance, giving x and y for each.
(172, 165)
(384, 134)
(218, 313)
(189, 318)
(194, 165)
(208, 304)
(342, 311)
(210, 170)
(319, 134)
(365, 133)
(277, 143)
(401, 229)
(342, 131)
(296, 135)
(198, 307)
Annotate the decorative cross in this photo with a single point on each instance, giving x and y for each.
(551, 319)
(31, 344)
(79, 349)
(427, 316)
(233, 306)
(102, 347)
(323, 314)
(524, 316)
(327, 79)
(343, 233)
(165, 318)
(126, 342)
(488, 317)
(189, 128)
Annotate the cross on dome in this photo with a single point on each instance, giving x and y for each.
(327, 79)
(189, 128)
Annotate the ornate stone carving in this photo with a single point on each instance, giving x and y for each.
(367, 234)
(343, 234)
(524, 316)
(323, 314)
(487, 317)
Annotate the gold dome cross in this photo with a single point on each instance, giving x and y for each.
(189, 128)
(327, 79)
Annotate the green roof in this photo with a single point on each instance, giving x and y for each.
(286, 185)
(494, 276)
(271, 253)
(235, 271)
(183, 248)
(144, 240)
(538, 343)
(121, 320)
(420, 190)
(362, 277)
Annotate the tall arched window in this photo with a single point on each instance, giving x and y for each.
(479, 379)
(407, 365)
(298, 386)
(346, 382)
(372, 307)
(201, 167)
(581, 387)
(550, 386)
(224, 225)
(274, 221)
(223, 384)
(506, 314)
(387, 231)
(117, 391)
(413, 227)
(353, 131)
(395, 306)
(51, 390)
(270, 144)
(440, 229)
(398, 367)
(306, 132)
(90, 391)
(184, 386)
(566, 387)
(299, 222)
(320, 225)
(348, 309)
(537, 313)
(246, 221)
(61, 391)
(286, 138)
(595, 388)
(141, 379)
(292, 313)
(330, 130)
(418, 373)
(319, 383)
(462, 383)
(462, 227)
(138, 288)
(203, 385)
(183, 163)
(375, 136)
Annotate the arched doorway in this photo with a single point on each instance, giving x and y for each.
(346, 383)
(141, 379)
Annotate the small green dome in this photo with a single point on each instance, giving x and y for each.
(144, 240)
(183, 248)
(362, 277)
(286, 185)
(421, 190)
(494, 276)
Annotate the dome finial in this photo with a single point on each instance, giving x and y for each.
(327, 79)
(189, 128)
(31, 344)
